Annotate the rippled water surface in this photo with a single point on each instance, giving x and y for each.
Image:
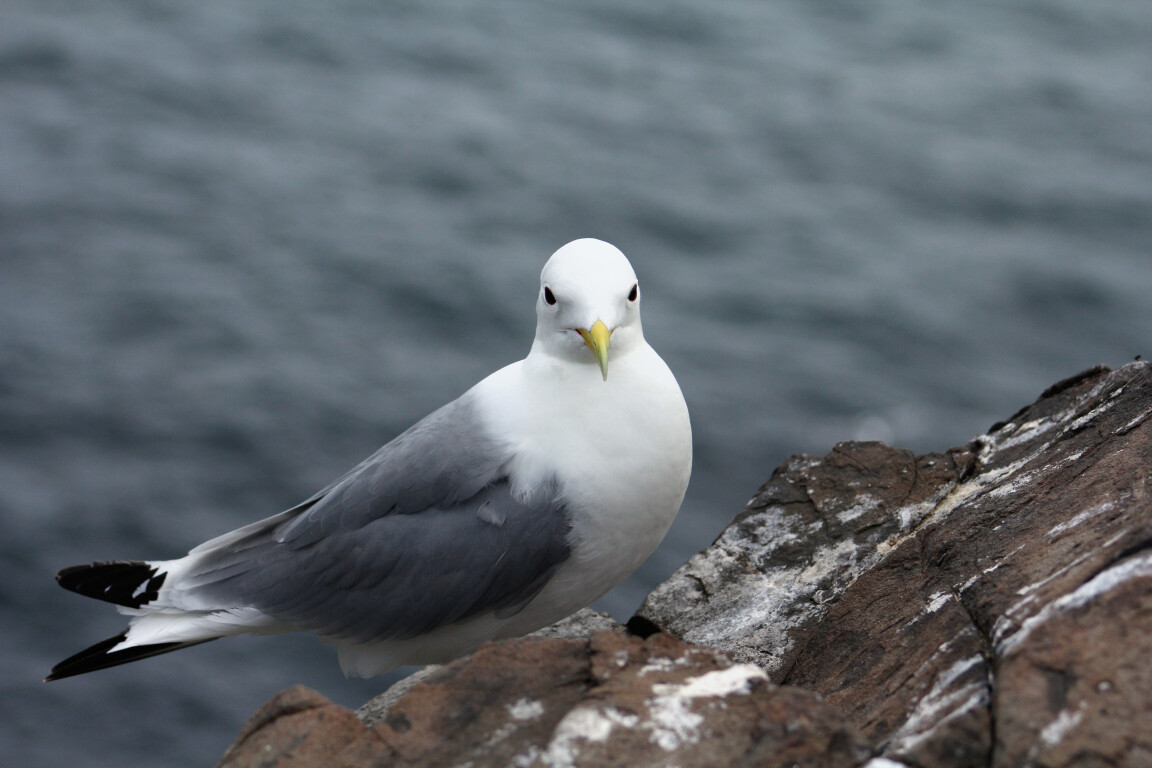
(244, 243)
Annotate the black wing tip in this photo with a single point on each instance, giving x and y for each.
(130, 583)
(87, 660)
(101, 656)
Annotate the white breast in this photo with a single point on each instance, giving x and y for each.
(621, 450)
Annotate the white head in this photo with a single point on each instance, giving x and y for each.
(588, 309)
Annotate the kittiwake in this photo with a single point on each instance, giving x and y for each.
(509, 508)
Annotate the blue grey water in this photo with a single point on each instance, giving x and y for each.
(244, 243)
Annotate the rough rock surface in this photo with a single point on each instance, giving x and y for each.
(610, 700)
(578, 626)
(990, 605)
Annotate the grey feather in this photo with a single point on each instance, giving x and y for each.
(423, 533)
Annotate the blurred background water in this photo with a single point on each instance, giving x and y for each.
(244, 242)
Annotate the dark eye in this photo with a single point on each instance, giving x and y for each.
(549, 297)
(635, 292)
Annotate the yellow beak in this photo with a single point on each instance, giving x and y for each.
(596, 338)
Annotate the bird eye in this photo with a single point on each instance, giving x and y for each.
(549, 297)
(634, 293)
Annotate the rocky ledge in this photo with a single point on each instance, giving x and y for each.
(990, 605)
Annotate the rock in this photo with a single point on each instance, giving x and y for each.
(297, 727)
(989, 605)
(579, 625)
(986, 606)
(805, 536)
(608, 700)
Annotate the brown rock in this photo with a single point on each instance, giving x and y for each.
(610, 700)
(901, 657)
(660, 701)
(297, 727)
(987, 606)
(484, 709)
(579, 625)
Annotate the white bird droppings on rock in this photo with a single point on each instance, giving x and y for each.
(671, 720)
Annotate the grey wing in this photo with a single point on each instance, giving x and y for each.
(424, 533)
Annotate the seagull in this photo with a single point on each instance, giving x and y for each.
(509, 508)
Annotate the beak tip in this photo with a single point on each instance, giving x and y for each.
(597, 339)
